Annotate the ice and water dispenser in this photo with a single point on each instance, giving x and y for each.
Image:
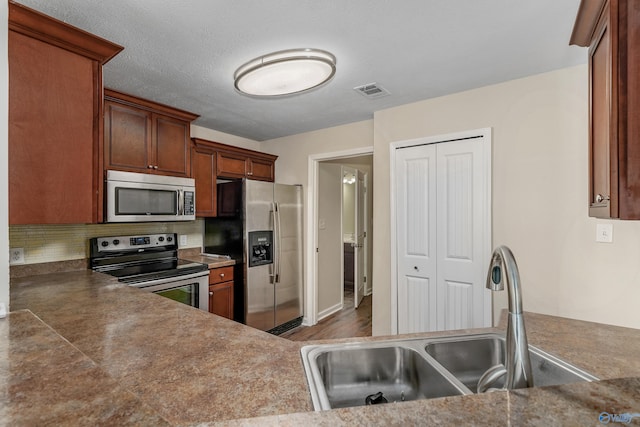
(260, 248)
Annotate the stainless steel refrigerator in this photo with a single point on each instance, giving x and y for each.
(260, 225)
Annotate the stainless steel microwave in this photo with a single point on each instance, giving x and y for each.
(138, 197)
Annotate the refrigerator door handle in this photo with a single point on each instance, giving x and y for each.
(278, 243)
(273, 269)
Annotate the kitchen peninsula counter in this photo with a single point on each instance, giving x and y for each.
(81, 348)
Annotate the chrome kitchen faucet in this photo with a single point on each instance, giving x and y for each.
(517, 366)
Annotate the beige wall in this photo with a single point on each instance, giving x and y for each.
(540, 144)
(329, 239)
(4, 149)
(224, 138)
(293, 151)
(293, 162)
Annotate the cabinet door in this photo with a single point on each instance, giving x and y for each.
(261, 170)
(221, 274)
(170, 146)
(203, 166)
(51, 152)
(231, 165)
(127, 138)
(221, 299)
(601, 150)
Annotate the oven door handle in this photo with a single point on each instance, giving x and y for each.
(172, 279)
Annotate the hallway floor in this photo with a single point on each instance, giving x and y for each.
(347, 323)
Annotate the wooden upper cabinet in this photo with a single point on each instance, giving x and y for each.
(55, 127)
(235, 162)
(232, 165)
(261, 169)
(211, 160)
(203, 168)
(610, 29)
(128, 131)
(143, 136)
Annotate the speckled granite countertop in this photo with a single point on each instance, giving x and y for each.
(100, 353)
(211, 261)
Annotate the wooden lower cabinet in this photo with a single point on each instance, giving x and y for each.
(221, 291)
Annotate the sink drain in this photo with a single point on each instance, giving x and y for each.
(376, 398)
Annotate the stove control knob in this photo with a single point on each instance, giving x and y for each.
(104, 243)
(116, 242)
(169, 238)
(161, 239)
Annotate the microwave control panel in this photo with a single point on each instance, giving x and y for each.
(189, 203)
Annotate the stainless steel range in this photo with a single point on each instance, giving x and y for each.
(150, 262)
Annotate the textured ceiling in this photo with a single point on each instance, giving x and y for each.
(184, 53)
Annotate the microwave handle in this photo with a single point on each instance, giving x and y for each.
(180, 199)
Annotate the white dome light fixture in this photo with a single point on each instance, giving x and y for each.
(285, 72)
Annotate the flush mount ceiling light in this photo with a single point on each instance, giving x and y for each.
(285, 72)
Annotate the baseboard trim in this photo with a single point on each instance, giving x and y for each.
(329, 311)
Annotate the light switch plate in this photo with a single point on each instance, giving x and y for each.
(183, 240)
(604, 233)
(322, 224)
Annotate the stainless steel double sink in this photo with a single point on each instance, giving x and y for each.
(354, 374)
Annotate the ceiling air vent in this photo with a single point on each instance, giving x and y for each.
(372, 91)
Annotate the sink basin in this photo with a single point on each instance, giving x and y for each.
(469, 357)
(344, 375)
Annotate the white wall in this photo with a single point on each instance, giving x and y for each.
(540, 186)
(4, 153)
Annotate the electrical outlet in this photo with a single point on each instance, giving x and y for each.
(183, 240)
(604, 233)
(16, 256)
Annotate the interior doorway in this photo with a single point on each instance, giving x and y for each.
(333, 240)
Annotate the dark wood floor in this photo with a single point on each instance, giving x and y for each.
(348, 322)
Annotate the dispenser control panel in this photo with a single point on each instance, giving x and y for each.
(260, 248)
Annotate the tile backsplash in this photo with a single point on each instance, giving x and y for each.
(48, 243)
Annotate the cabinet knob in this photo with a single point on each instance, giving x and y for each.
(249, 173)
(210, 293)
(221, 274)
(600, 198)
(155, 167)
(415, 267)
(150, 167)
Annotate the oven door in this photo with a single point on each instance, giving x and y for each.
(192, 289)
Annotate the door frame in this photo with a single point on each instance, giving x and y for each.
(484, 133)
(311, 257)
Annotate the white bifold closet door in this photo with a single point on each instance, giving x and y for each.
(443, 238)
